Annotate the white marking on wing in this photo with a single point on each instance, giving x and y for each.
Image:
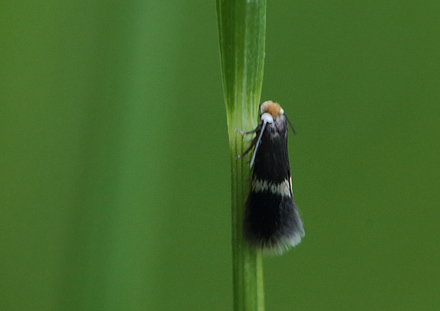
(261, 185)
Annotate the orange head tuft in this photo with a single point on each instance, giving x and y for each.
(272, 108)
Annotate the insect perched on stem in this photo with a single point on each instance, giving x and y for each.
(271, 220)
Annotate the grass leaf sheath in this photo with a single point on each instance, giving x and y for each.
(242, 32)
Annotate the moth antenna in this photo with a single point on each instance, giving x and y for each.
(290, 123)
(258, 142)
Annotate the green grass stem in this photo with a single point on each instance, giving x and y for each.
(242, 32)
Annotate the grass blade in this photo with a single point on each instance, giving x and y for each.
(242, 32)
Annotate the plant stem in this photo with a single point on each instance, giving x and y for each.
(242, 31)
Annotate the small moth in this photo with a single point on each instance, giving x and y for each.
(271, 220)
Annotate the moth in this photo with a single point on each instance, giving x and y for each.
(271, 221)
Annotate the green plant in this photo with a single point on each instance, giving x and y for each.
(242, 32)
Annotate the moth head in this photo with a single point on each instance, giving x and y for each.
(270, 111)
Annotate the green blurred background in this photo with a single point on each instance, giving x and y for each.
(114, 166)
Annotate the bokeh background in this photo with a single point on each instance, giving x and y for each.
(114, 166)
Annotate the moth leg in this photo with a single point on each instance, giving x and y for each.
(250, 132)
(253, 143)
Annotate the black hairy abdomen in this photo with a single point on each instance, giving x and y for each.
(269, 219)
